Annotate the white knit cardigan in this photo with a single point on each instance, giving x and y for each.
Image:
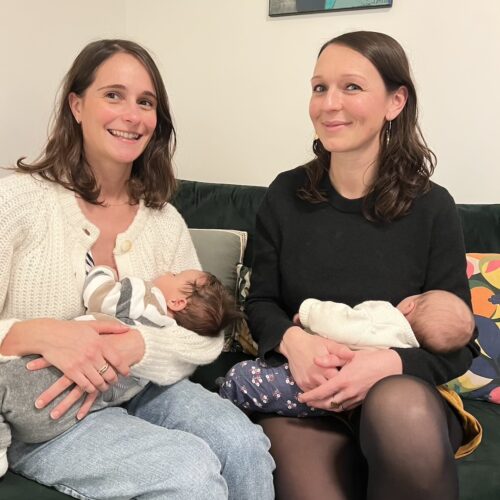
(44, 238)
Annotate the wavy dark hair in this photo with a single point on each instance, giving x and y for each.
(63, 159)
(405, 163)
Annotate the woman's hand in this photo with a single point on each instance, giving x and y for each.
(129, 347)
(57, 388)
(76, 348)
(349, 388)
(301, 349)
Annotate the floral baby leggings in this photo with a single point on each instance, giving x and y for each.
(255, 386)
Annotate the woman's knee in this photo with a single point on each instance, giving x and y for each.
(400, 396)
(244, 450)
(240, 435)
(400, 407)
(182, 465)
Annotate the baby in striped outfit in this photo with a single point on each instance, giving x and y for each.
(194, 299)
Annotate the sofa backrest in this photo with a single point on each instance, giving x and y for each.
(481, 225)
(220, 206)
(231, 206)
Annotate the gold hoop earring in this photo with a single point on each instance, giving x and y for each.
(388, 133)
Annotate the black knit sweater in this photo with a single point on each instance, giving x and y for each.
(329, 251)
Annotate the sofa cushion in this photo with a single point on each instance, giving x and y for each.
(478, 472)
(482, 380)
(15, 487)
(220, 252)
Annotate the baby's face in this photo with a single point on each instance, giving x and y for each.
(174, 285)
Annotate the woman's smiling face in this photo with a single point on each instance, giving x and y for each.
(349, 103)
(117, 112)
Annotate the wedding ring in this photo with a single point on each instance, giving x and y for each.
(336, 406)
(103, 369)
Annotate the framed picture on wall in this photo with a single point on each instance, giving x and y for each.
(288, 7)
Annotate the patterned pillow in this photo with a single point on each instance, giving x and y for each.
(482, 380)
(242, 339)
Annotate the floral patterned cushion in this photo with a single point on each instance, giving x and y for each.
(482, 380)
(242, 339)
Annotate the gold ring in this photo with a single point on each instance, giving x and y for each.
(103, 369)
(336, 406)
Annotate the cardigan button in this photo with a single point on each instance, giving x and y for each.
(126, 246)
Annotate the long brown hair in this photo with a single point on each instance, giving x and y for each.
(405, 163)
(63, 158)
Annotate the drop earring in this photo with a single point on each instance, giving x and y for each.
(388, 133)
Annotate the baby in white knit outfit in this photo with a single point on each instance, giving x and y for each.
(194, 299)
(429, 319)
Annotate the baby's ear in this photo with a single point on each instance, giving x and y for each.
(177, 304)
(406, 306)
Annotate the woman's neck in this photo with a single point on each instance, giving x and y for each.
(352, 175)
(111, 177)
(113, 187)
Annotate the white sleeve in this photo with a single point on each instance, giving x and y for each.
(173, 353)
(334, 320)
(5, 326)
(371, 324)
(11, 236)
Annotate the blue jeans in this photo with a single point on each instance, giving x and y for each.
(176, 442)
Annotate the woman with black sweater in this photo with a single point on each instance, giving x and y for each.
(362, 221)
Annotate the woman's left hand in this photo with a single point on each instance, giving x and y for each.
(57, 388)
(349, 387)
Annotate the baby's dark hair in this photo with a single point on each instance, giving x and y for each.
(210, 307)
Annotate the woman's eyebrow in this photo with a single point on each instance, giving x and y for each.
(344, 75)
(123, 87)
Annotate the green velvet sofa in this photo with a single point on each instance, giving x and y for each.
(224, 206)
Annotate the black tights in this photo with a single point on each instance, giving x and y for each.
(407, 439)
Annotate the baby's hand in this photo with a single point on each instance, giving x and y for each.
(296, 320)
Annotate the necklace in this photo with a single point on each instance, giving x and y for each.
(123, 203)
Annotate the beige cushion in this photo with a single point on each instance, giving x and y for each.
(220, 251)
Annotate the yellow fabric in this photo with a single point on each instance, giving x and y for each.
(473, 431)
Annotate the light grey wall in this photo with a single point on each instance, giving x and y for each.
(38, 42)
(239, 81)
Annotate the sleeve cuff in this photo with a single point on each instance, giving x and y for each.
(305, 309)
(5, 326)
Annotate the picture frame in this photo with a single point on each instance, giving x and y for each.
(292, 7)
